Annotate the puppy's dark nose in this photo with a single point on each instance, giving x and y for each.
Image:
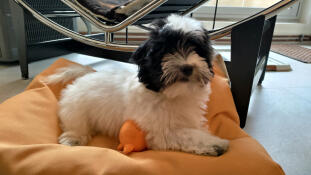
(187, 70)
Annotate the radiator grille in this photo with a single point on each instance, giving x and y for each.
(37, 32)
(46, 6)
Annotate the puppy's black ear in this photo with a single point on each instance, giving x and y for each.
(139, 55)
(210, 50)
(204, 48)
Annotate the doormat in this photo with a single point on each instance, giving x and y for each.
(293, 51)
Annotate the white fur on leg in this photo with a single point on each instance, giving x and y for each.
(202, 142)
(71, 138)
(192, 141)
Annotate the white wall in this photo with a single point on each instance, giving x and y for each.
(306, 12)
(303, 26)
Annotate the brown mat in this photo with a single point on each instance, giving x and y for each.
(293, 51)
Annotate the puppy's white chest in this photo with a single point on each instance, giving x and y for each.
(152, 113)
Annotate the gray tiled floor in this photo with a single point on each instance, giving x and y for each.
(279, 115)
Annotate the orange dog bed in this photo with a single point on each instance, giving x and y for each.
(29, 130)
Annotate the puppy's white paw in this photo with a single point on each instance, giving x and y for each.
(215, 149)
(72, 139)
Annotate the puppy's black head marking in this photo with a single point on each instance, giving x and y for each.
(164, 40)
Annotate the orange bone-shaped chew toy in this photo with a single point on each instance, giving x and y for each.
(131, 138)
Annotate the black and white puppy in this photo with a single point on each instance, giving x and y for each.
(167, 98)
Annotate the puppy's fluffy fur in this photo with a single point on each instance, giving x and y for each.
(167, 98)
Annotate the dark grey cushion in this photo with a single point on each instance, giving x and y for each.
(112, 10)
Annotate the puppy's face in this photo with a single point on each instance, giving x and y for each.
(177, 54)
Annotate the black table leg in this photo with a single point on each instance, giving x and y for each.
(19, 27)
(245, 45)
(266, 44)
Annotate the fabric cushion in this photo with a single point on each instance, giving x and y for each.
(29, 130)
(112, 10)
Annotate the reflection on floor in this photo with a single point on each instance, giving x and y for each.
(279, 115)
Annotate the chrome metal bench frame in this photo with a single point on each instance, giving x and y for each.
(108, 29)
